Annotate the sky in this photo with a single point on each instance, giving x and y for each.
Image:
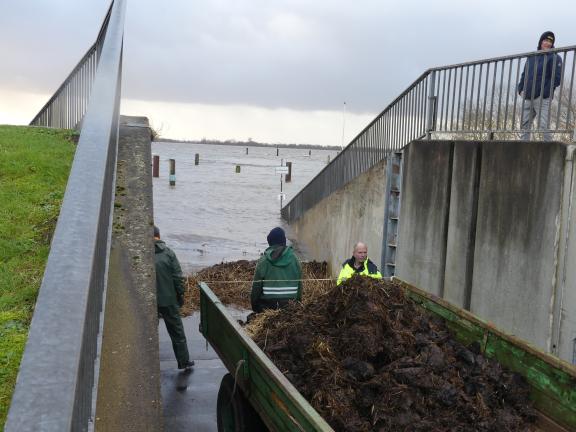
(278, 71)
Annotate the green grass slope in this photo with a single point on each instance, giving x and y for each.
(34, 168)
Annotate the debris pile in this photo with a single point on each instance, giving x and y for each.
(369, 359)
(232, 283)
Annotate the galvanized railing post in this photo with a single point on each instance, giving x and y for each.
(432, 105)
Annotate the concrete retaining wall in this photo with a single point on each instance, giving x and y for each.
(462, 227)
(489, 226)
(499, 242)
(424, 198)
(517, 237)
(329, 230)
(128, 397)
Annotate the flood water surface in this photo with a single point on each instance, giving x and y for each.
(214, 214)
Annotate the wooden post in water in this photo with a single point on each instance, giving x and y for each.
(281, 196)
(328, 161)
(172, 177)
(197, 159)
(289, 174)
(155, 166)
(246, 150)
(277, 151)
(237, 169)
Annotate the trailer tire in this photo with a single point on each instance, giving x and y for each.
(234, 412)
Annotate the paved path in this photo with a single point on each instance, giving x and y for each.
(189, 399)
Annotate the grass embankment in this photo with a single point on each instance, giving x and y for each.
(34, 168)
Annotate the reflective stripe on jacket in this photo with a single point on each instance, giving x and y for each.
(369, 269)
(279, 292)
(277, 279)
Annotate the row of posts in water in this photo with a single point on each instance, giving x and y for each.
(172, 175)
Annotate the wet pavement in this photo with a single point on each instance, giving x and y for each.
(189, 398)
(214, 214)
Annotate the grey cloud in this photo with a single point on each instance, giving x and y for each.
(288, 53)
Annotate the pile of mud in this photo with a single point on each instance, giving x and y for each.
(232, 283)
(369, 359)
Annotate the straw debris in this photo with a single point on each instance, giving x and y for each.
(369, 359)
(232, 283)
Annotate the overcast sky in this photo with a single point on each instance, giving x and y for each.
(270, 70)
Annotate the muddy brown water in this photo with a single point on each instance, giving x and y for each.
(214, 214)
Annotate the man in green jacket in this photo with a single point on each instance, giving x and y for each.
(170, 297)
(278, 275)
(358, 264)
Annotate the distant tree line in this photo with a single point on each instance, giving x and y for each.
(249, 143)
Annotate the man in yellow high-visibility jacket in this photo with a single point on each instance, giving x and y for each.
(358, 264)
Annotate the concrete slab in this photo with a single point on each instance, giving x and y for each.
(463, 210)
(189, 398)
(329, 230)
(423, 226)
(517, 235)
(128, 397)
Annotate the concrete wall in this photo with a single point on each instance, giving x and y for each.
(564, 327)
(424, 197)
(330, 229)
(128, 397)
(516, 248)
(503, 250)
(462, 227)
(489, 226)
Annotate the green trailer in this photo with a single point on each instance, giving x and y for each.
(255, 393)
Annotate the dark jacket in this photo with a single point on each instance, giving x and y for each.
(348, 269)
(531, 78)
(277, 279)
(169, 279)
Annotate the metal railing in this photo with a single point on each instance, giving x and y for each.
(67, 106)
(475, 100)
(54, 388)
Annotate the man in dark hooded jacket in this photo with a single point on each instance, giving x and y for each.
(170, 297)
(542, 74)
(278, 275)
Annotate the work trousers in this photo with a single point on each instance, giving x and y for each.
(171, 315)
(536, 110)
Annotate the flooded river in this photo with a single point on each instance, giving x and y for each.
(214, 214)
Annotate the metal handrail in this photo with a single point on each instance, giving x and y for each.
(474, 100)
(55, 385)
(67, 106)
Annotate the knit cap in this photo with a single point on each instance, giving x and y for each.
(276, 237)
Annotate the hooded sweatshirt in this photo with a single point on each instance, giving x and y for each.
(277, 279)
(542, 74)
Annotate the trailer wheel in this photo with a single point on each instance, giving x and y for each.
(234, 412)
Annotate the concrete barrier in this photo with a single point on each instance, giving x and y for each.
(128, 397)
(330, 229)
(489, 226)
(462, 227)
(517, 237)
(424, 197)
(499, 243)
